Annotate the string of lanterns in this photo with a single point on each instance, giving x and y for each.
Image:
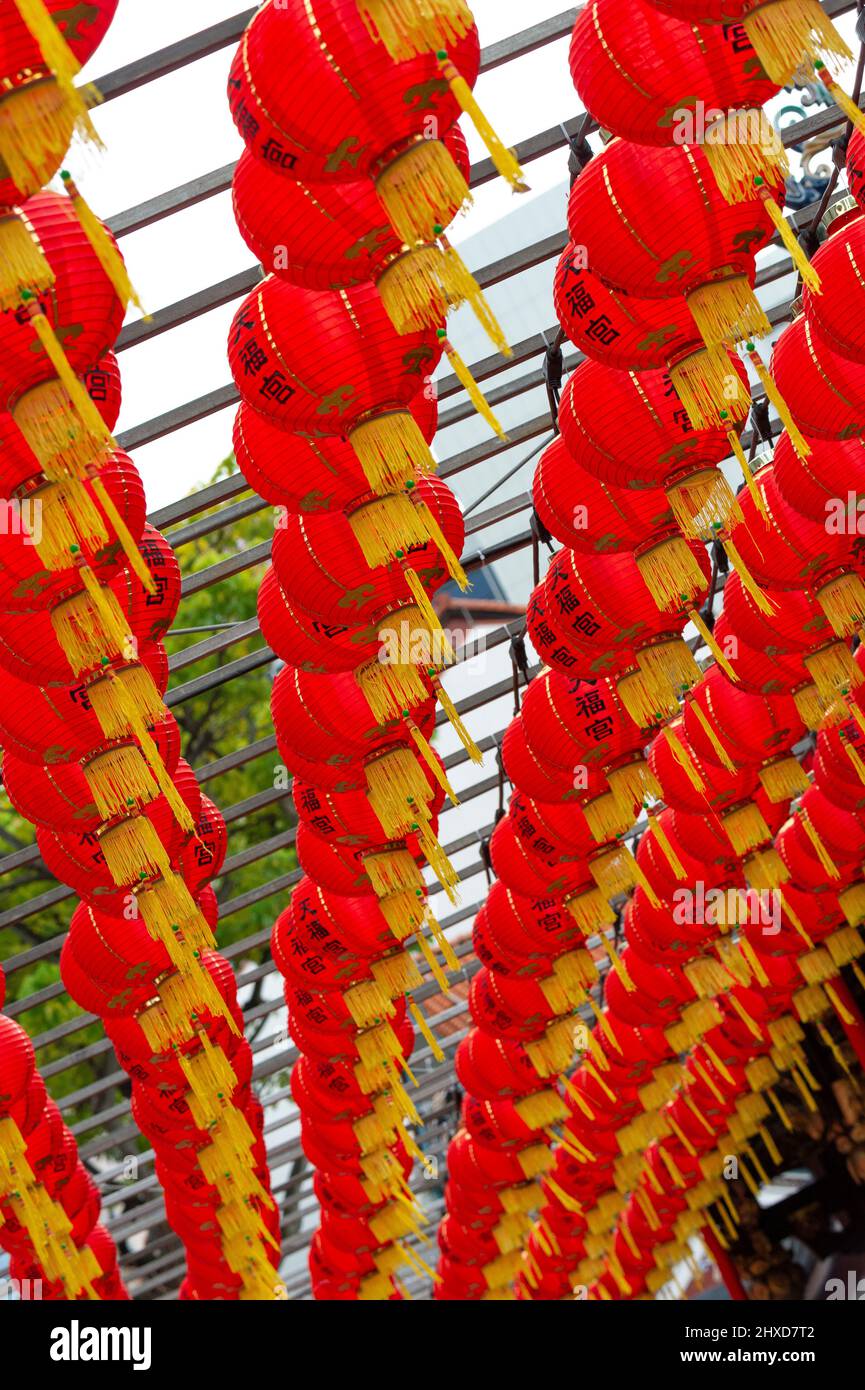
(91, 752)
(598, 1179)
(49, 1204)
(345, 198)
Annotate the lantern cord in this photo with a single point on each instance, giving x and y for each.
(710, 641)
(121, 531)
(463, 374)
(748, 474)
(103, 247)
(504, 159)
(806, 271)
(797, 439)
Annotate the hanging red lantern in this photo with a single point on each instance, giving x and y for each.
(704, 250)
(39, 56)
(636, 432)
(629, 66)
(589, 515)
(825, 391)
(724, 723)
(311, 475)
(828, 485)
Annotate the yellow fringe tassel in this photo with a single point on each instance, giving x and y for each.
(735, 161)
(783, 779)
(784, 32)
(727, 311)
(121, 531)
(90, 625)
(671, 573)
(427, 1033)
(119, 779)
(819, 848)
(746, 827)
(748, 474)
(420, 189)
(684, 758)
(391, 450)
(833, 669)
(843, 602)
(133, 851)
(22, 264)
(409, 27)
(709, 389)
(456, 723)
(703, 504)
(69, 519)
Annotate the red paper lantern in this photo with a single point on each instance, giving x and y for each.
(824, 391)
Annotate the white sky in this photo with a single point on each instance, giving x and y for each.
(172, 130)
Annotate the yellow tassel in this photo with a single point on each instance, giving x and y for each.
(504, 159)
(631, 783)
(541, 1109)
(606, 817)
(736, 162)
(422, 283)
(669, 660)
(709, 388)
(819, 848)
(133, 851)
(119, 779)
(786, 31)
(38, 118)
(409, 27)
(858, 765)
(22, 264)
(456, 723)
(421, 597)
(703, 503)
(788, 237)
(69, 519)
(553, 1052)
(810, 706)
(591, 911)
(852, 903)
(746, 827)
(712, 735)
(853, 113)
(707, 977)
(121, 531)
(388, 687)
(843, 602)
(385, 526)
(435, 969)
(398, 791)
(58, 419)
(797, 439)
(367, 1001)
(421, 190)
(671, 573)
(397, 973)
(467, 381)
(427, 1033)
(90, 625)
(391, 450)
(646, 701)
(684, 758)
(392, 871)
(152, 756)
(709, 641)
(104, 248)
(783, 779)
(833, 669)
(438, 860)
(727, 311)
